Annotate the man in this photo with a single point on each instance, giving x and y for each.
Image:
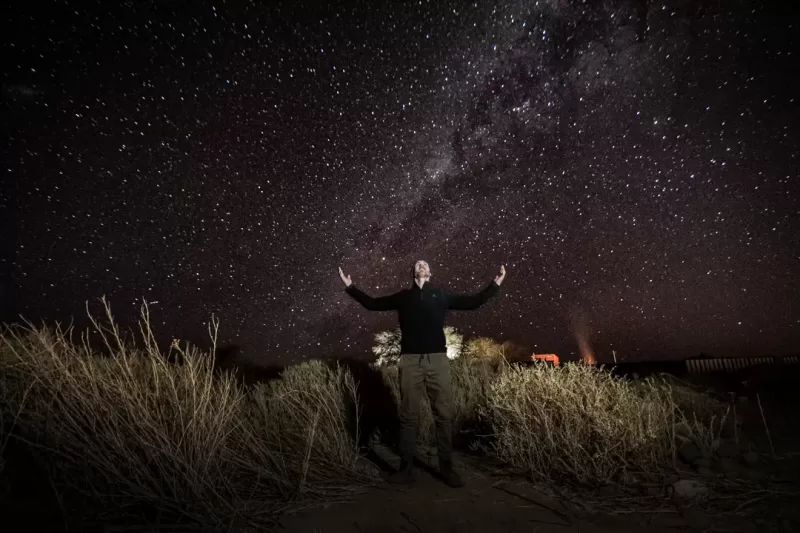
(423, 361)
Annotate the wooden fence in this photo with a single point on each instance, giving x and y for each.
(732, 364)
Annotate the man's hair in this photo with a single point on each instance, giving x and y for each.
(414, 268)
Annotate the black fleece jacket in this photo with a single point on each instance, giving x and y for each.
(421, 312)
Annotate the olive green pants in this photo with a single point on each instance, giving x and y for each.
(429, 373)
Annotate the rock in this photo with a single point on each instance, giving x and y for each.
(728, 449)
(750, 458)
(689, 452)
(689, 489)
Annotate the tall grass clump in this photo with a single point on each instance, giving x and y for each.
(583, 424)
(134, 428)
(700, 418)
(309, 420)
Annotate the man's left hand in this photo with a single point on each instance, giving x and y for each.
(499, 279)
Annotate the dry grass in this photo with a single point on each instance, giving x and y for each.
(312, 405)
(140, 430)
(575, 422)
(699, 418)
(134, 427)
(579, 422)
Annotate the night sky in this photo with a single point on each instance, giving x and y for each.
(634, 165)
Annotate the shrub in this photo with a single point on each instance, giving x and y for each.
(301, 430)
(142, 431)
(387, 345)
(582, 423)
(491, 350)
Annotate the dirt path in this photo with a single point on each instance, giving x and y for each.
(483, 505)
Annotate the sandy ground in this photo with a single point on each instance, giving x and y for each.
(484, 504)
(490, 502)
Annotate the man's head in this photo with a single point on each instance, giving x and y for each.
(421, 270)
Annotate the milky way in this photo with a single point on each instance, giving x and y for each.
(634, 165)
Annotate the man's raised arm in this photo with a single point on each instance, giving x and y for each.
(474, 301)
(471, 301)
(381, 303)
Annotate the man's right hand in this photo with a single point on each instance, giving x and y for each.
(346, 279)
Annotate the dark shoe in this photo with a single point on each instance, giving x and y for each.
(450, 476)
(404, 476)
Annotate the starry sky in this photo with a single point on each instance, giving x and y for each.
(633, 164)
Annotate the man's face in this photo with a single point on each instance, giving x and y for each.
(422, 270)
